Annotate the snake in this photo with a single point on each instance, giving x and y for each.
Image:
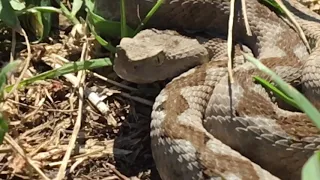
(202, 125)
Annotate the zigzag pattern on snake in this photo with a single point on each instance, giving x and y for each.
(203, 127)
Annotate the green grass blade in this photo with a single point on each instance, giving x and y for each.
(8, 16)
(76, 6)
(66, 69)
(311, 169)
(275, 5)
(277, 91)
(303, 104)
(104, 27)
(3, 127)
(102, 42)
(124, 32)
(149, 15)
(67, 13)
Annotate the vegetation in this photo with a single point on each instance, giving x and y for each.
(33, 20)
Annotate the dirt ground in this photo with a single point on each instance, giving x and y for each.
(113, 144)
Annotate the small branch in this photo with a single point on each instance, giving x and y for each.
(230, 28)
(18, 149)
(123, 86)
(138, 99)
(27, 62)
(245, 17)
(77, 125)
(13, 45)
(295, 23)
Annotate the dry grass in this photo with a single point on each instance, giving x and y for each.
(111, 145)
(314, 5)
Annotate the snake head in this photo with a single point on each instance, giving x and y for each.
(155, 55)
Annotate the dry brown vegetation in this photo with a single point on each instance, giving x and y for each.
(113, 144)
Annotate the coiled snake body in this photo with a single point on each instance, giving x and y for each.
(203, 127)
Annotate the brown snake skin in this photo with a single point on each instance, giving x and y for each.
(203, 127)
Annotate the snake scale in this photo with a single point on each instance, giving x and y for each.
(202, 126)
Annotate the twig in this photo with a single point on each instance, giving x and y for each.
(138, 99)
(93, 97)
(5, 149)
(13, 45)
(16, 147)
(41, 110)
(229, 41)
(77, 125)
(12, 53)
(27, 62)
(245, 17)
(295, 23)
(123, 86)
(118, 173)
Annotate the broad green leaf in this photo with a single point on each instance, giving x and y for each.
(89, 4)
(8, 16)
(66, 69)
(36, 18)
(34, 24)
(76, 6)
(105, 28)
(17, 5)
(46, 20)
(103, 42)
(4, 72)
(311, 169)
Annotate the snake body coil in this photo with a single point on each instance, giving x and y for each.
(203, 127)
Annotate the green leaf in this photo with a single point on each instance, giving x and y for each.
(44, 9)
(67, 13)
(8, 16)
(89, 4)
(275, 5)
(33, 22)
(46, 20)
(76, 6)
(123, 21)
(37, 18)
(3, 127)
(3, 74)
(106, 28)
(303, 102)
(66, 69)
(311, 169)
(103, 42)
(17, 5)
(149, 15)
(32, 2)
(277, 91)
